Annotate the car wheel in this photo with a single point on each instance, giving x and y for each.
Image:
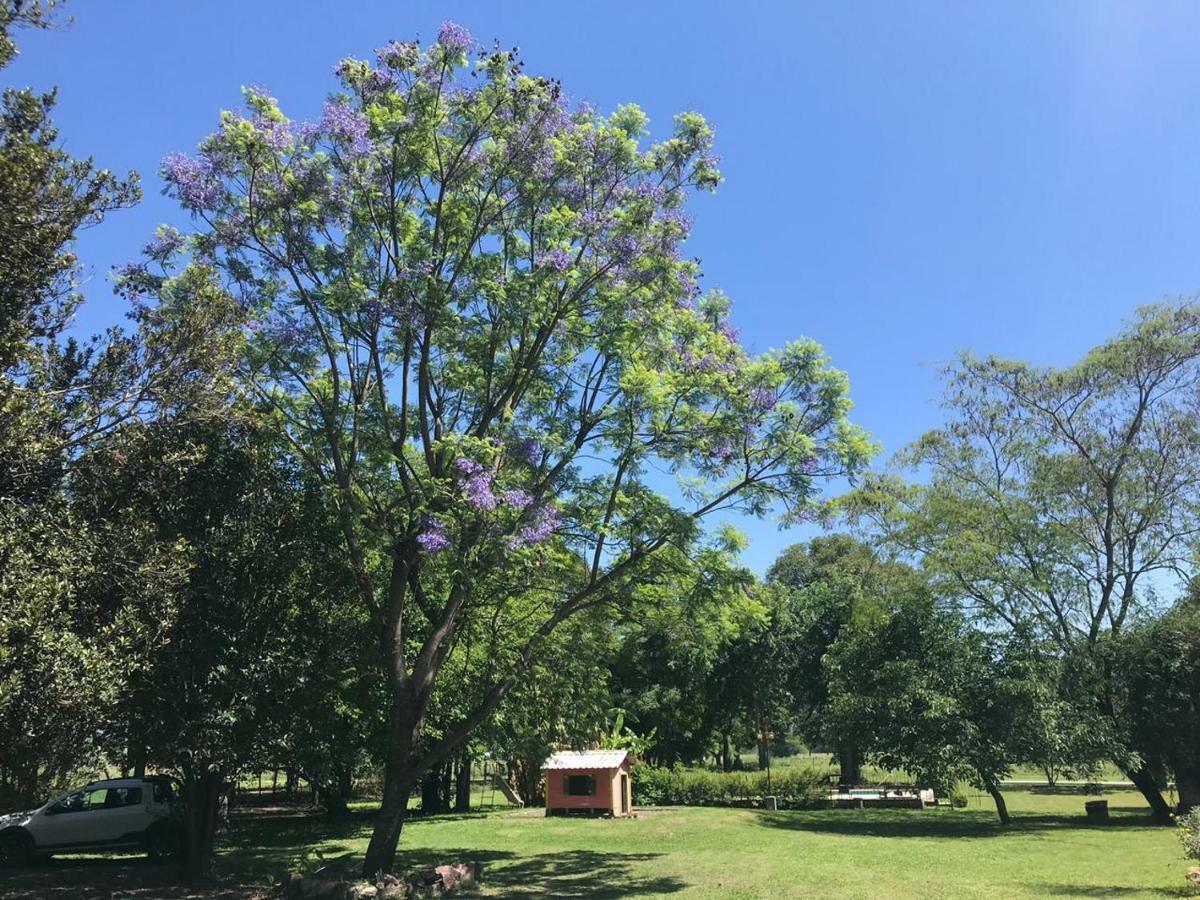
(15, 850)
(163, 843)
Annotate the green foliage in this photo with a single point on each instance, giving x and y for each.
(1188, 827)
(931, 696)
(1043, 477)
(472, 321)
(1156, 690)
(794, 788)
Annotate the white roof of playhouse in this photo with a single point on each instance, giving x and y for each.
(586, 759)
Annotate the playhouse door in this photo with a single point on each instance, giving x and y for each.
(624, 793)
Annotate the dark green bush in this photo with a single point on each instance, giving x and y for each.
(793, 788)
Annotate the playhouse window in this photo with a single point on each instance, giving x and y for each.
(579, 785)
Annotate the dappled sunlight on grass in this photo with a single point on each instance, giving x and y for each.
(1051, 850)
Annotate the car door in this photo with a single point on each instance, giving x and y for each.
(71, 821)
(123, 817)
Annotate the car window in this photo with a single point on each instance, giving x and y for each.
(163, 791)
(86, 800)
(117, 797)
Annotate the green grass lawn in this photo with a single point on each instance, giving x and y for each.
(1049, 851)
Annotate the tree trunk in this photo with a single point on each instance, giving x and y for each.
(202, 794)
(1143, 779)
(726, 761)
(1001, 807)
(462, 784)
(1187, 783)
(398, 781)
(447, 786)
(432, 798)
(851, 765)
(336, 795)
(764, 750)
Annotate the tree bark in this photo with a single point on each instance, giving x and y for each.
(851, 765)
(726, 760)
(433, 790)
(336, 795)
(447, 787)
(764, 749)
(1187, 783)
(462, 784)
(202, 794)
(1001, 807)
(398, 781)
(1143, 779)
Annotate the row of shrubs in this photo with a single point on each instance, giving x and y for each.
(793, 788)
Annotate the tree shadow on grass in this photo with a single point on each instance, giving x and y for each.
(894, 823)
(1099, 890)
(135, 878)
(569, 874)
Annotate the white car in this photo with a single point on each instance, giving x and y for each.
(116, 814)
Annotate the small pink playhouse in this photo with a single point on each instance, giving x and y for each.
(589, 783)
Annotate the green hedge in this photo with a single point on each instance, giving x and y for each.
(792, 788)
(1189, 832)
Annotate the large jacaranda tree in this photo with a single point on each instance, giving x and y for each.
(467, 310)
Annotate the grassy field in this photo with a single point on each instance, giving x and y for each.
(1050, 851)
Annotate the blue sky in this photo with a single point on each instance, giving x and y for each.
(903, 180)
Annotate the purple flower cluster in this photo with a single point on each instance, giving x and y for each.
(276, 134)
(433, 537)
(454, 38)
(284, 330)
(679, 221)
(530, 450)
(476, 482)
(132, 280)
(518, 499)
(763, 399)
(348, 125)
(166, 242)
(546, 521)
(194, 179)
(398, 54)
(557, 259)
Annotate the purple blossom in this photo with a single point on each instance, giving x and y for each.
(558, 259)
(348, 125)
(164, 244)
(476, 484)
(194, 179)
(307, 131)
(624, 247)
(763, 399)
(530, 450)
(808, 465)
(648, 190)
(284, 330)
(679, 220)
(433, 537)
(454, 38)
(729, 330)
(546, 521)
(131, 280)
(276, 134)
(398, 55)
(517, 499)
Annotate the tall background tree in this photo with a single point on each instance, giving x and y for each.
(55, 395)
(474, 323)
(1060, 502)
